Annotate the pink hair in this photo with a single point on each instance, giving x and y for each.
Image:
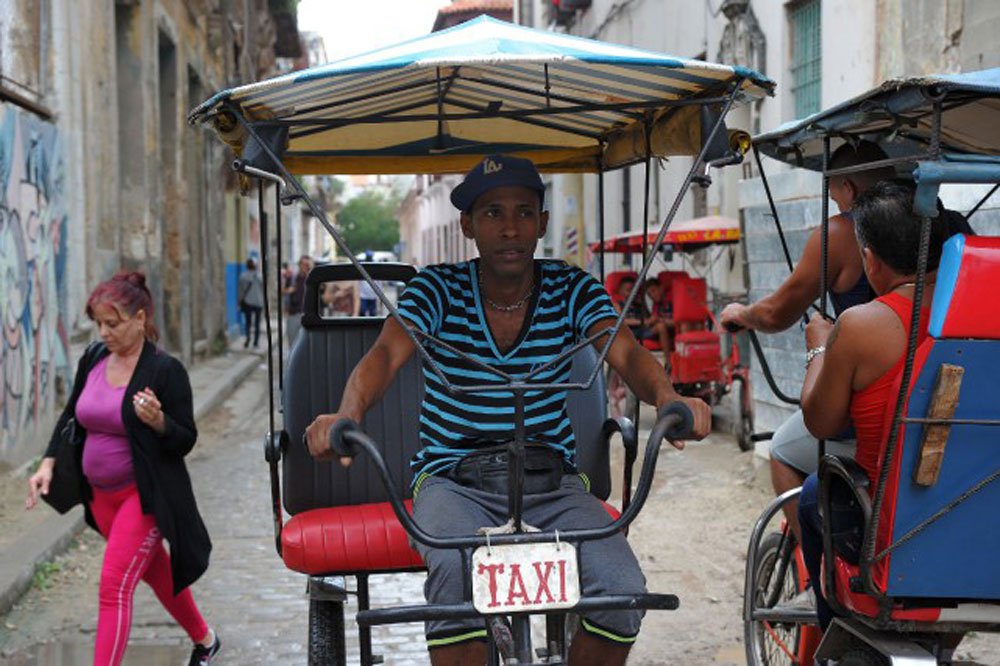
(127, 293)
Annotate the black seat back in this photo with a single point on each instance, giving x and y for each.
(321, 360)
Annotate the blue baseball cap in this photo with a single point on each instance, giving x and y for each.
(493, 172)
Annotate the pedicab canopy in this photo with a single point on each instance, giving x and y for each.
(899, 116)
(688, 235)
(441, 102)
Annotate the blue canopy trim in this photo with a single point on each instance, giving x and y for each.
(564, 100)
(898, 115)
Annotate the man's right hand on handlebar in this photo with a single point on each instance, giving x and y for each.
(735, 317)
(702, 414)
(318, 438)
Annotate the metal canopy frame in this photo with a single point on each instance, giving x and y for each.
(294, 190)
(518, 385)
(290, 189)
(589, 130)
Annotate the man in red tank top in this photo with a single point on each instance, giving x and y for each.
(852, 365)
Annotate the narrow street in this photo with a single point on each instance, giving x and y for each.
(690, 539)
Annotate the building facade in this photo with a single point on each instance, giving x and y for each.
(101, 172)
(820, 52)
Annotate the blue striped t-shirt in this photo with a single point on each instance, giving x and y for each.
(444, 301)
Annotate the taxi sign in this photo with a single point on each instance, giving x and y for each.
(525, 577)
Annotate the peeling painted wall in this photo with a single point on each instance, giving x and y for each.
(34, 352)
(116, 180)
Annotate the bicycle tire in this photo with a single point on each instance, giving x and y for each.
(761, 639)
(327, 639)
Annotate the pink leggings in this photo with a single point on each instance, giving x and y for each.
(135, 551)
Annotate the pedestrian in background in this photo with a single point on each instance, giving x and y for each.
(368, 298)
(250, 289)
(296, 298)
(134, 404)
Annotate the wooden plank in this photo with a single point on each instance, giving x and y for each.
(944, 401)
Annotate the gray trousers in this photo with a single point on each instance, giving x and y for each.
(445, 508)
(794, 446)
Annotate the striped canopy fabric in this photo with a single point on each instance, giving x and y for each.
(439, 103)
(689, 234)
(899, 115)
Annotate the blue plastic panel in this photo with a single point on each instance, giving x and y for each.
(957, 556)
(947, 277)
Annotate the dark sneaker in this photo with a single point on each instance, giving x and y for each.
(202, 656)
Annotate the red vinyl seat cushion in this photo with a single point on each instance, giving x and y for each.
(348, 539)
(352, 539)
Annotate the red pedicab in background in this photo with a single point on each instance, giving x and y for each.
(699, 366)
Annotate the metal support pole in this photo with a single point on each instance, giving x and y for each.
(278, 276)
(824, 254)
(982, 201)
(645, 203)
(774, 209)
(521, 628)
(825, 238)
(515, 464)
(364, 633)
(868, 554)
(600, 220)
(264, 264)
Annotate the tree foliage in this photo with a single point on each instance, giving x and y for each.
(368, 221)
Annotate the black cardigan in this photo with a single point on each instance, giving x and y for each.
(158, 460)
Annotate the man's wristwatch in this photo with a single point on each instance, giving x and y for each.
(813, 353)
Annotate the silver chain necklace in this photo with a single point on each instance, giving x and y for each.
(516, 305)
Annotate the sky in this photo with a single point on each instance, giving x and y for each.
(350, 27)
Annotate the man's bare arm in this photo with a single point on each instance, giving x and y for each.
(789, 302)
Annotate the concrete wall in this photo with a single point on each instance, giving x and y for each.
(102, 172)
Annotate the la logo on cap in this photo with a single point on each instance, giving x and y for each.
(489, 166)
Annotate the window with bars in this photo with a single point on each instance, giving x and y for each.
(24, 45)
(806, 61)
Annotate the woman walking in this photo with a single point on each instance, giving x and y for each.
(134, 403)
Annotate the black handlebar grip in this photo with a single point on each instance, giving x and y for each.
(683, 429)
(732, 327)
(338, 444)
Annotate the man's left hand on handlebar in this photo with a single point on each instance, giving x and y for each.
(318, 438)
(702, 414)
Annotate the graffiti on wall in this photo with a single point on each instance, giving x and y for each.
(34, 350)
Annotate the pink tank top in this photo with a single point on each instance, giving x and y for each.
(107, 455)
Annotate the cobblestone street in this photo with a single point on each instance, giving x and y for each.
(690, 539)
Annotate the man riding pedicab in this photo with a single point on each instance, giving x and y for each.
(794, 450)
(513, 313)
